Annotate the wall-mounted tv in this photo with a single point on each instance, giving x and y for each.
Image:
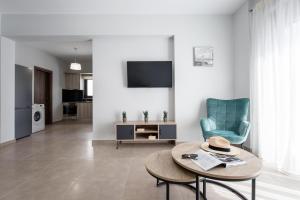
(149, 74)
(72, 95)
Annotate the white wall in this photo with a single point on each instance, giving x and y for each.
(252, 4)
(192, 84)
(30, 57)
(111, 95)
(7, 90)
(241, 31)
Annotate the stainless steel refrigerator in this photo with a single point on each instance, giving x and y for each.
(23, 101)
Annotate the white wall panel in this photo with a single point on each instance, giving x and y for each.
(241, 32)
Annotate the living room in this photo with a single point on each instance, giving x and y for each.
(82, 159)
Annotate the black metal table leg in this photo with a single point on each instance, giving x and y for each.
(253, 188)
(167, 191)
(204, 188)
(197, 187)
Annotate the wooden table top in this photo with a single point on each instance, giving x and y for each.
(161, 165)
(247, 171)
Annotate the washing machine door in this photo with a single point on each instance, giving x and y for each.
(37, 116)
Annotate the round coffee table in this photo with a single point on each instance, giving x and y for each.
(248, 171)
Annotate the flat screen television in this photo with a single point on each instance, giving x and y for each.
(149, 74)
(72, 95)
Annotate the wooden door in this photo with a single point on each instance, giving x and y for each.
(43, 91)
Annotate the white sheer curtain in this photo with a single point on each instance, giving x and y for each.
(275, 83)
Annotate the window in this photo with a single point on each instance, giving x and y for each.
(275, 84)
(88, 88)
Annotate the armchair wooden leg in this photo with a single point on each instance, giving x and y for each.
(242, 145)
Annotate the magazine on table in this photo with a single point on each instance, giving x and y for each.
(207, 160)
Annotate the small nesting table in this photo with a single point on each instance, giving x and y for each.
(161, 166)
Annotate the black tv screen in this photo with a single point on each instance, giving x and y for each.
(149, 74)
(72, 95)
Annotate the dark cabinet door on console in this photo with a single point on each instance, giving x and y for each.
(125, 132)
(167, 132)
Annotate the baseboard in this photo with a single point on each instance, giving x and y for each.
(7, 143)
(247, 149)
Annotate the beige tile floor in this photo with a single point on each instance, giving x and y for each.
(62, 163)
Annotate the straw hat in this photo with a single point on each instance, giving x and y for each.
(220, 145)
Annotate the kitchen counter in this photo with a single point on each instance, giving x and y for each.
(84, 109)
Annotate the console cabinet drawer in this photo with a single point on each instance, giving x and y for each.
(167, 132)
(125, 132)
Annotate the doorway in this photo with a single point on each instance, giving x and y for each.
(43, 91)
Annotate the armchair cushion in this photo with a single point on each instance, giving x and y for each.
(233, 137)
(244, 128)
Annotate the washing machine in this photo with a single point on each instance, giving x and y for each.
(38, 117)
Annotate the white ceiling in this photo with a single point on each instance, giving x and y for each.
(64, 50)
(210, 7)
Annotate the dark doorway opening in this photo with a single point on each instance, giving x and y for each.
(43, 91)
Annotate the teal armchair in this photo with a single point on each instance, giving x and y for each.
(227, 118)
